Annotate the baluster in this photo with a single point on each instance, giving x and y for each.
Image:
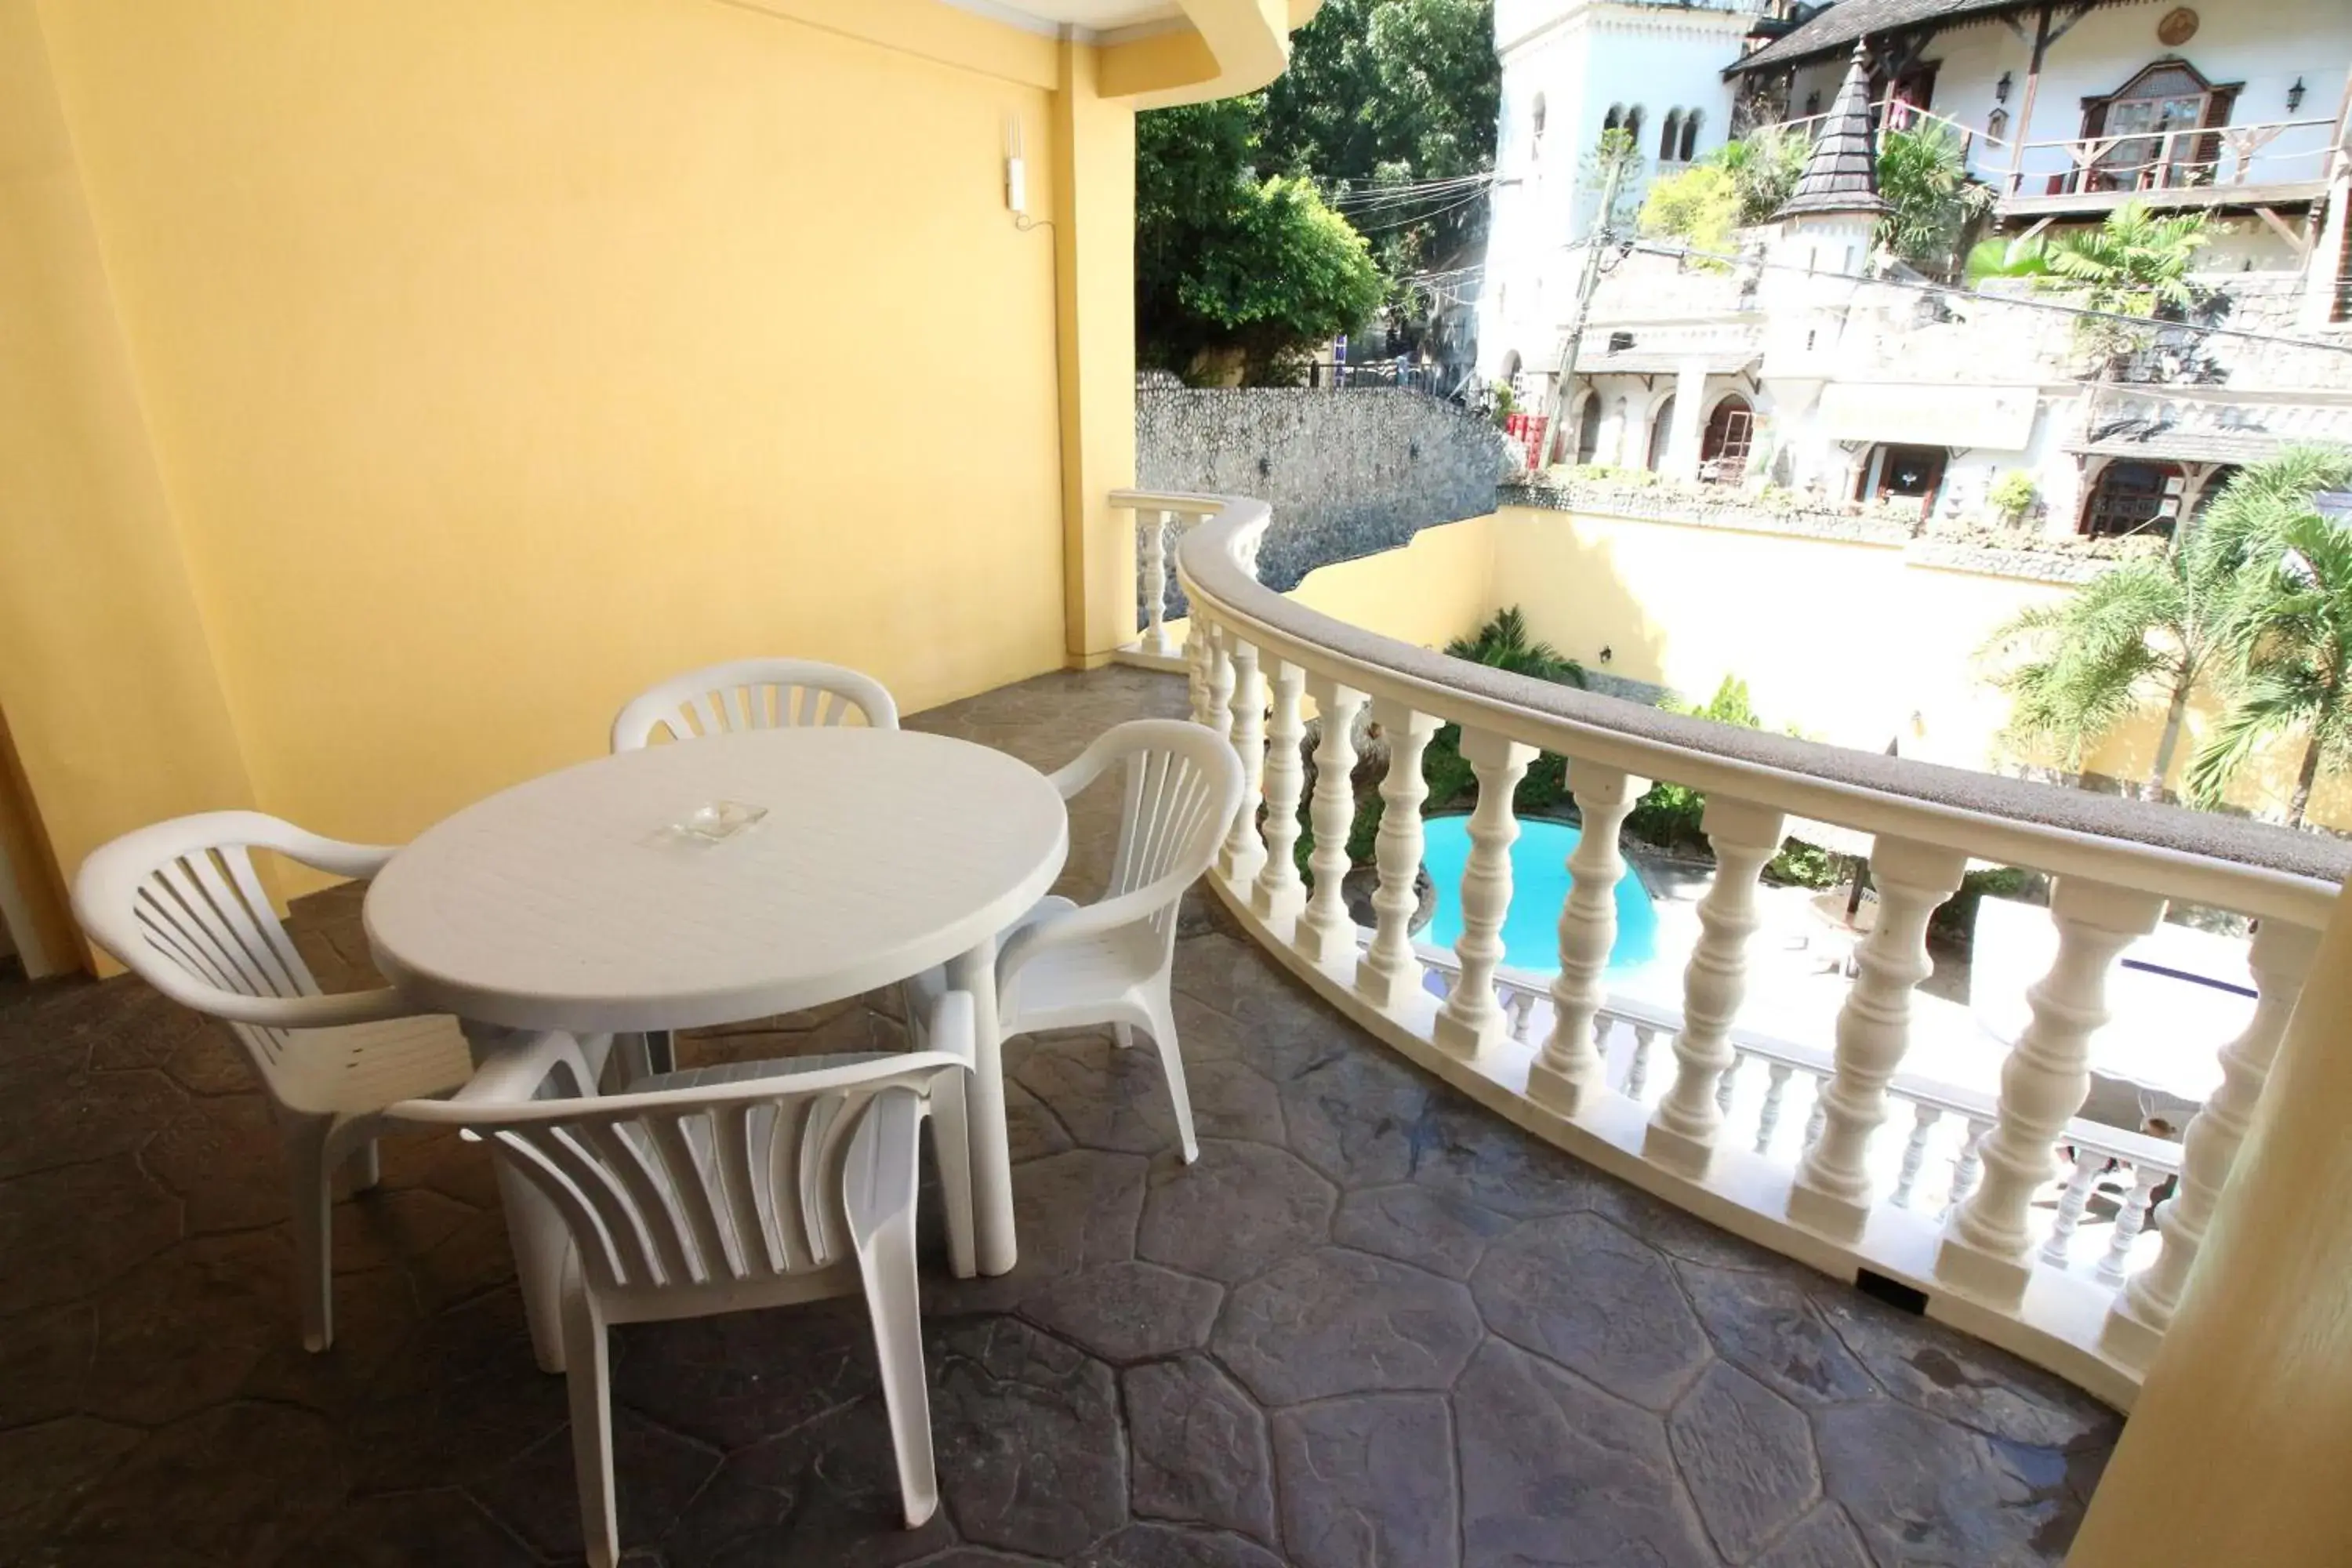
(1324, 934)
(2071, 1205)
(1817, 1115)
(2281, 957)
(1831, 1191)
(2130, 1220)
(1914, 1152)
(1279, 892)
(1986, 1249)
(1220, 671)
(1637, 1071)
(1389, 973)
(1243, 853)
(1682, 1131)
(1570, 1068)
(1768, 1121)
(1723, 1085)
(1197, 639)
(1470, 1019)
(1523, 1014)
(1969, 1166)
(1154, 547)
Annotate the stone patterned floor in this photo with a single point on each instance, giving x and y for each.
(1373, 1326)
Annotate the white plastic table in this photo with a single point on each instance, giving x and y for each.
(571, 903)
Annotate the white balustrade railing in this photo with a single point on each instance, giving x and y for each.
(2178, 158)
(2066, 1240)
(1160, 522)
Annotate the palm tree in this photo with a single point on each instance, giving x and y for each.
(2138, 633)
(2290, 637)
(2134, 264)
(1503, 643)
(1931, 201)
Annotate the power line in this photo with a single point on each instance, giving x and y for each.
(1390, 195)
(1953, 291)
(1422, 217)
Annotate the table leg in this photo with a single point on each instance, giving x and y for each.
(534, 1229)
(991, 1153)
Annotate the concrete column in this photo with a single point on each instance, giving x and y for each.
(1690, 420)
(1093, 278)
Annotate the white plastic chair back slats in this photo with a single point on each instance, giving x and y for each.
(703, 1187)
(206, 912)
(1169, 820)
(754, 694)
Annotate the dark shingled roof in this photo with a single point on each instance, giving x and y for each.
(1842, 173)
(1840, 26)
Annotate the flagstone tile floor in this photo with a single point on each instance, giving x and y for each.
(1373, 1325)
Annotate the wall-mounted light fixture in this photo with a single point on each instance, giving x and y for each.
(2295, 96)
(2001, 88)
(1016, 172)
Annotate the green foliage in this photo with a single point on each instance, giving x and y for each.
(1227, 262)
(1932, 202)
(1765, 166)
(1668, 815)
(1616, 152)
(2013, 494)
(1503, 643)
(2007, 259)
(1381, 94)
(1699, 207)
(1802, 865)
(2134, 264)
(2288, 643)
(1506, 402)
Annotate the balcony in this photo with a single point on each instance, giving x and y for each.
(2259, 164)
(1379, 1322)
(1586, 1068)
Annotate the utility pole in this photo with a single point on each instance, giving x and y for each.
(1603, 235)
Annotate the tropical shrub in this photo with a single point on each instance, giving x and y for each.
(1699, 207)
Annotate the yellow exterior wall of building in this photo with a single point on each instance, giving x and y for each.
(502, 356)
(1850, 642)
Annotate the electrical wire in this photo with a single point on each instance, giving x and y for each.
(1388, 195)
(1423, 217)
(1949, 290)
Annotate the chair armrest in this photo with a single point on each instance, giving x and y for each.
(1084, 923)
(283, 1012)
(513, 1074)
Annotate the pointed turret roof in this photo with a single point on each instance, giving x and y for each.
(1842, 173)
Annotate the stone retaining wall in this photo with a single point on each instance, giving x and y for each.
(1348, 473)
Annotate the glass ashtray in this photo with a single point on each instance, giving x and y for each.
(718, 821)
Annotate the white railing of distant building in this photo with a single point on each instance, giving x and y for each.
(1585, 1069)
(2179, 158)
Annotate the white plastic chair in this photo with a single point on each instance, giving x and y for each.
(752, 694)
(1111, 961)
(746, 694)
(727, 1188)
(179, 904)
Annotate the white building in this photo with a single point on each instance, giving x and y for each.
(1572, 68)
(1794, 370)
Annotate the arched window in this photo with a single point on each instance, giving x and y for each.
(1588, 426)
(1670, 135)
(1634, 124)
(1730, 434)
(1614, 117)
(1662, 435)
(1690, 135)
(2129, 498)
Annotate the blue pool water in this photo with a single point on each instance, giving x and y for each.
(1538, 887)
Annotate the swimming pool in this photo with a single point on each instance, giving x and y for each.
(1539, 882)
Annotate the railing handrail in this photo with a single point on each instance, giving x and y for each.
(2152, 134)
(2171, 852)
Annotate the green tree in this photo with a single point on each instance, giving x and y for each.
(1229, 263)
(2289, 642)
(2139, 634)
(1932, 204)
(1504, 643)
(1699, 207)
(2134, 264)
(1765, 166)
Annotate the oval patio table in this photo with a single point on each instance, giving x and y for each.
(579, 902)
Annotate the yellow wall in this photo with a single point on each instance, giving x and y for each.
(2236, 1451)
(1853, 643)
